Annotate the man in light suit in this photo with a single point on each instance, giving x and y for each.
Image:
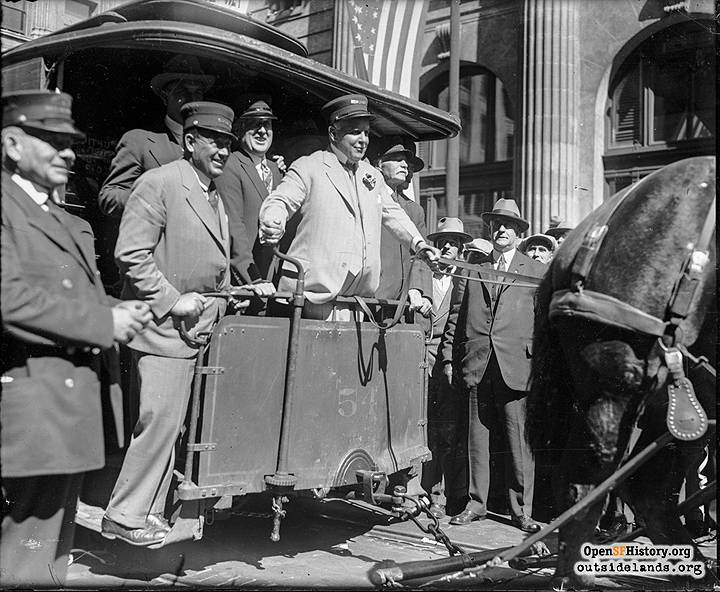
(248, 178)
(397, 163)
(58, 330)
(342, 202)
(444, 476)
(173, 246)
(487, 348)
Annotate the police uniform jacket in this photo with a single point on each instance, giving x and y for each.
(336, 234)
(55, 318)
(171, 242)
(395, 258)
(137, 151)
(243, 191)
(481, 322)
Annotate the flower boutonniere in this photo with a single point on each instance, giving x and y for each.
(369, 181)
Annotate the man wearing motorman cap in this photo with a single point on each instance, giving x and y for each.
(342, 205)
(58, 329)
(173, 245)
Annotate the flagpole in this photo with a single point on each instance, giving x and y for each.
(452, 165)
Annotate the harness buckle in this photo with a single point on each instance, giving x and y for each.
(698, 261)
(674, 363)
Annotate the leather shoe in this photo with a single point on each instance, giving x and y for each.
(437, 510)
(466, 517)
(139, 537)
(158, 522)
(526, 524)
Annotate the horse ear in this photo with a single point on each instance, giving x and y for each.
(614, 364)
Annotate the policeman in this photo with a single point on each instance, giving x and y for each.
(56, 319)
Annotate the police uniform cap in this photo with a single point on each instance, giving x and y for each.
(43, 110)
(208, 115)
(346, 107)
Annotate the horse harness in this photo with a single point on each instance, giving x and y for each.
(686, 419)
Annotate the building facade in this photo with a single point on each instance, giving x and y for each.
(562, 102)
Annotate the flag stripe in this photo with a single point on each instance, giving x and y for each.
(405, 86)
(398, 35)
(380, 57)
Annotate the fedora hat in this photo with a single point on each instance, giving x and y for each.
(395, 145)
(181, 67)
(506, 209)
(42, 110)
(558, 227)
(479, 245)
(450, 227)
(542, 239)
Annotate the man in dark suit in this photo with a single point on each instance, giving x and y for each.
(444, 476)
(248, 178)
(173, 246)
(58, 325)
(487, 346)
(397, 163)
(141, 150)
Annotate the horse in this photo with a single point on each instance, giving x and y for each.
(630, 283)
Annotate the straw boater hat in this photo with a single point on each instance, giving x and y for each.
(450, 227)
(542, 239)
(558, 227)
(181, 68)
(506, 209)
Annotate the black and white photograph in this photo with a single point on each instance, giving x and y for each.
(358, 295)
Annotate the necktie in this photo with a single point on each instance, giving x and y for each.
(266, 174)
(351, 167)
(500, 267)
(212, 196)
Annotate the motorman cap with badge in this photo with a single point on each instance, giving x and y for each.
(506, 210)
(258, 110)
(208, 115)
(42, 110)
(346, 107)
(181, 67)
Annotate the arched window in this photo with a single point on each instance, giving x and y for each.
(486, 146)
(662, 103)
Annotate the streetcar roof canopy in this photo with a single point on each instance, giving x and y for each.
(106, 62)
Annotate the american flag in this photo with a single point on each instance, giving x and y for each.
(386, 36)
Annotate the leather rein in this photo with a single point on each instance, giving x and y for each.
(686, 419)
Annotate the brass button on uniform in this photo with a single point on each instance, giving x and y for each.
(69, 382)
(95, 351)
(67, 284)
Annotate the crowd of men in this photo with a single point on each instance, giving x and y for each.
(198, 207)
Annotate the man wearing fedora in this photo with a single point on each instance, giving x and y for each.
(343, 204)
(173, 246)
(59, 329)
(487, 347)
(248, 178)
(397, 164)
(539, 247)
(444, 477)
(558, 229)
(140, 150)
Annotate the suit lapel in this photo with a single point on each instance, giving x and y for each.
(250, 170)
(339, 178)
(58, 232)
(199, 203)
(516, 266)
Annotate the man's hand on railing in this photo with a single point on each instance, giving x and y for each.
(261, 288)
(419, 303)
(189, 305)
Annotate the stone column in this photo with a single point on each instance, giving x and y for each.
(545, 169)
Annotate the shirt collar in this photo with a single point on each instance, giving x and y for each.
(508, 255)
(175, 129)
(39, 197)
(202, 179)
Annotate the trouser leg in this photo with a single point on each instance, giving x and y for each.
(38, 526)
(480, 416)
(144, 479)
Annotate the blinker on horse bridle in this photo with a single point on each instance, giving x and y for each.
(686, 419)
